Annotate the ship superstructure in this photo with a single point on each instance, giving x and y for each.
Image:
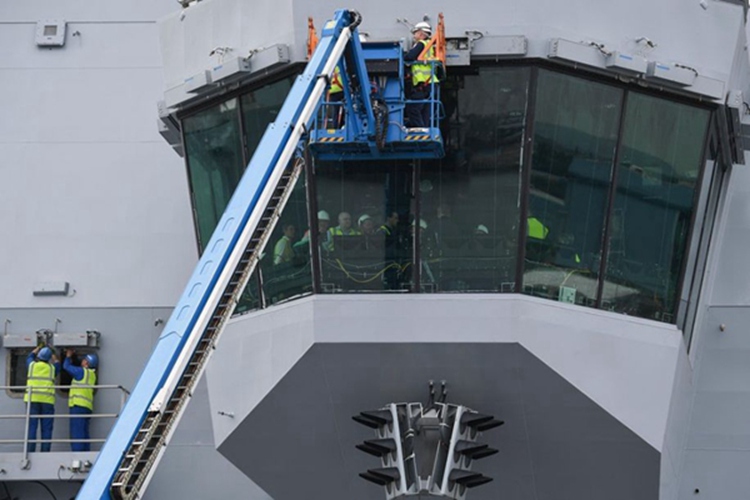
(573, 264)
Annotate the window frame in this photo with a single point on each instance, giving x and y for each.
(693, 250)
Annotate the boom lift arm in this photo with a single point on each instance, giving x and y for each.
(138, 439)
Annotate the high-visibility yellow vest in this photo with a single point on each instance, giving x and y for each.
(385, 228)
(283, 251)
(537, 230)
(337, 231)
(336, 85)
(83, 396)
(422, 72)
(41, 381)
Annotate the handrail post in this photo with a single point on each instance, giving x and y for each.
(433, 74)
(25, 461)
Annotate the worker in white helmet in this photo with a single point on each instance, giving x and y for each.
(324, 222)
(422, 76)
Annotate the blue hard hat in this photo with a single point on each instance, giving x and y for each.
(45, 354)
(93, 360)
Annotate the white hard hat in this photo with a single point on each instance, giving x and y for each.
(481, 228)
(363, 218)
(422, 223)
(323, 215)
(422, 26)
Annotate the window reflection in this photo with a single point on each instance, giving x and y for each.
(464, 211)
(215, 163)
(285, 264)
(259, 108)
(656, 179)
(366, 244)
(470, 201)
(575, 135)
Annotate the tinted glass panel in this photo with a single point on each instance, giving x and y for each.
(367, 243)
(215, 163)
(656, 180)
(286, 261)
(575, 136)
(470, 201)
(259, 108)
(465, 210)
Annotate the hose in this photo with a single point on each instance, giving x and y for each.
(356, 19)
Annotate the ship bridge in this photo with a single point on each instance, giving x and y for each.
(565, 194)
(560, 247)
(573, 176)
(567, 220)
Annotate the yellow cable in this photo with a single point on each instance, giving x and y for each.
(376, 276)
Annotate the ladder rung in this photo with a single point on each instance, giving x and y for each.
(151, 433)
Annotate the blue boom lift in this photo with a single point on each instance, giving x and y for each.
(372, 128)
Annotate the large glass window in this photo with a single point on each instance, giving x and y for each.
(213, 146)
(285, 265)
(470, 201)
(366, 226)
(217, 155)
(597, 213)
(575, 137)
(660, 162)
(259, 109)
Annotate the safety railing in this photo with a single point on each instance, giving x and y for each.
(332, 112)
(124, 393)
(432, 99)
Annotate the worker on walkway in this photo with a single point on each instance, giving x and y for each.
(81, 398)
(42, 369)
(422, 76)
